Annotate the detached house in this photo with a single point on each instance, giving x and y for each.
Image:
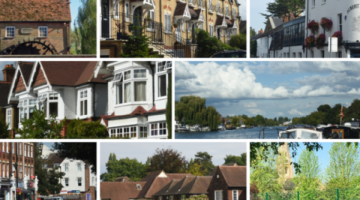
(137, 98)
(60, 89)
(169, 24)
(35, 27)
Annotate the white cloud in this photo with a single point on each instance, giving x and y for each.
(250, 105)
(280, 113)
(354, 91)
(256, 111)
(295, 112)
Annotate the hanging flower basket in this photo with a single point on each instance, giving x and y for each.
(320, 41)
(338, 34)
(326, 24)
(18, 191)
(310, 42)
(313, 26)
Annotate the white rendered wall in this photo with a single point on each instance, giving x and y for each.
(73, 174)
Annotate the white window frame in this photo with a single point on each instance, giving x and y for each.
(200, 4)
(121, 132)
(340, 22)
(127, 12)
(66, 167)
(143, 132)
(235, 194)
(234, 13)
(221, 195)
(167, 23)
(161, 71)
(68, 182)
(313, 3)
(151, 14)
(79, 168)
(227, 13)
(157, 130)
(79, 180)
(40, 31)
(10, 29)
(8, 118)
(56, 95)
(211, 30)
(116, 11)
(218, 8)
(84, 96)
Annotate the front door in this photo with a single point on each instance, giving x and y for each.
(105, 20)
(355, 54)
(137, 20)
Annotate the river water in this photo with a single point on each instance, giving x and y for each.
(252, 133)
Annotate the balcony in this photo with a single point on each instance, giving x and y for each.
(146, 4)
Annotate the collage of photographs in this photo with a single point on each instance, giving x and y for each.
(179, 99)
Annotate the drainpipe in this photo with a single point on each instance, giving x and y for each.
(307, 19)
(160, 14)
(206, 12)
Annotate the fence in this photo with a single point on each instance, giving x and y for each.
(334, 194)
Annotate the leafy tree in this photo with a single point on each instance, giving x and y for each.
(238, 41)
(198, 197)
(353, 111)
(48, 178)
(344, 167)
(207, 45)
(169, 108)
(83, 129)
(123, 167)
(252, 32)
(239, 160)
(79, 151)
(137, 45)
(253, 48)
(169, 160)
(234, 120)
(204, 159)
(249, 122)
(196, 169)
(38, 127)
(85, 25)
(285, 8)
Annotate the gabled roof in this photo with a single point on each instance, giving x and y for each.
(182, 9)
(220, 21)
(36, 10)
(26, 68)
(235, 176)
(54, 158)
(120, 190)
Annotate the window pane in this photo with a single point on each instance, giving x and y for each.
(127, 93)
(119, 93)
(85, 107)
(81, 108)
(140, 91)
(162, 85)
(53, 109)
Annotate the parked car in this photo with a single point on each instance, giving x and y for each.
(230, 54)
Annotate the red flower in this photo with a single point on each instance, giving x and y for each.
(326, 23)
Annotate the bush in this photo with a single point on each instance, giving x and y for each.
(207, 45)
(83, 129)
(238, 41)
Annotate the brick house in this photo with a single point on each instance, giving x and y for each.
(228, 183)
(230, 180)
(39, 27)
(60, 89)
(17, 165)
(167, 23)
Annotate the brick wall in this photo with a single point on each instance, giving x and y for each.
(218, 183)
(88, 188)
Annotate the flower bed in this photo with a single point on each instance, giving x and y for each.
(313, 26)
(338, 34)
(326, 24)
(320, 41)
(310, 42)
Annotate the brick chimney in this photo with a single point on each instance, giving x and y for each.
(9, 73)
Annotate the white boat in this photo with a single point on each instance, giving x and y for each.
(205, 129)
(300, 132)
(195, 128)
(221, 127)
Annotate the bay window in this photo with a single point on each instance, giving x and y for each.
(53, 104)
(83, 103)
(140, 91)
(130, 88)
(139, 73)
(127, 92)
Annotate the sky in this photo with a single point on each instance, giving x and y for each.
(242, 9)
(74, 9)
(271, 89)
(256, 19)
(142, 150)
(2, 65)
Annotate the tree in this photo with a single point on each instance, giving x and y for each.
(4, 132)
(79, 151)
(207, 45)
(137, 45)
(253, 48)
(131, 168)
(196, 169)
(252, 32)
(86, 26)
(344, 167)
(204, 159)
(48, 178)
(285, 9)
(238, 41)
(234, 121)
(239, 160)
(353, 111)
(169, 108)
(38, 127)
(169, 160)
(83, 129)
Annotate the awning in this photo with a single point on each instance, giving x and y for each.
(145, 4)
(220, 22)
(196, 15)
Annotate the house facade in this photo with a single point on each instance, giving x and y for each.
(38, 28)
(167, 23)
(17, 170)
(61, 89)
(288, 39)
(137, 98)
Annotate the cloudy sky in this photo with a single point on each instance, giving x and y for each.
(242, 9)
(272, 89)
(142, 150)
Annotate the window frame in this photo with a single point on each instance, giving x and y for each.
(157, 130)
(167, 22)
(68, 182)
(79, 181)
(122, 132)
(127, 11)
(340, 21)
(116, 11)
(161, 70)
(211, 30)
(6, 31)
(9, 118)
(79, 165)
(40, 31)
(84, 95)
(235, 197)
(151, 14)
(221, 194)
(66, 167)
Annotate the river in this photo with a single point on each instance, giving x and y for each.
(252, 133)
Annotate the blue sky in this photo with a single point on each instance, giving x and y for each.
(142, 150)
(74, 8)
(272, 89)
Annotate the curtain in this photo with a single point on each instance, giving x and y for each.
(127, 93)
(140, 91)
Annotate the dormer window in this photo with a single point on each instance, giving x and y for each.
(43, 31)
(10, 31)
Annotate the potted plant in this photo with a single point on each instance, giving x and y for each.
(310, 42)
(338, 34)
(313, 26)
(320, 41)
(176, 25)
(326, 23)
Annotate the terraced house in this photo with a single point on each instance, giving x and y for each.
(35, 27)
(170, 24)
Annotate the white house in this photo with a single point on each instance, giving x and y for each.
(60, 89)
(137, 98)
(288, 39)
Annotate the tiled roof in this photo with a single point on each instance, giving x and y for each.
(235, 176)
(36, 10)
(26, 68)
(219, 20)
(180, 9)
(54, 158)
(120, 190)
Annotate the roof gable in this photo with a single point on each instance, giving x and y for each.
(120, 190)
(235, 176)
(19, 84)
(39, 76)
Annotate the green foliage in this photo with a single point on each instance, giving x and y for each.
(285, 8)
(253, 48)
(239, 160)
(252, 32)
(192, 110)
(169, 160)
(79, 151)
(83, 129)
(207, 45)
(196, 169)
(137, 45)
(344, 168)
(48, 179)
(169, 108)
(131, 168)
(86, 26)
(37, 127)
(204, 159)
(4, 132)
(198, 197)
(238, 41)
(243, 30)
